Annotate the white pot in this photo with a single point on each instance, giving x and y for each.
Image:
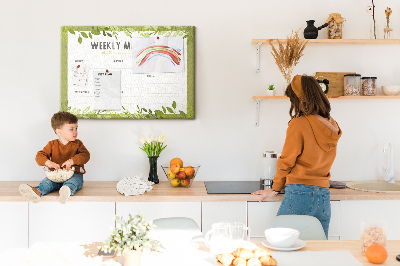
(131, 258)
(391, 90)
(270, 92)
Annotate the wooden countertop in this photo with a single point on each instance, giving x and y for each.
(105, 191)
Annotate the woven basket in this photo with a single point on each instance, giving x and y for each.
(60, 175)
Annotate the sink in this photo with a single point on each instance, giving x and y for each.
(375, 186)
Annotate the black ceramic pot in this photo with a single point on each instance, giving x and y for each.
(311, 32)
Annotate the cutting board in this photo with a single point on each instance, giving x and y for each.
(336, 81)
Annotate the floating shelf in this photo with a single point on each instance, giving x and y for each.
(332, 41)
(259, 98)
(259, 42)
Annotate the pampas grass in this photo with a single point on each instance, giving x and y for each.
(287, 57)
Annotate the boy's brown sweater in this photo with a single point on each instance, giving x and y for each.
(57, 152)
(307, 155)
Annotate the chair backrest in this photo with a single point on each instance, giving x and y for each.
(310, 227)
(178, 223)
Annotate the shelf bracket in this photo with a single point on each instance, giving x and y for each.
(257, 112)
(258, 57)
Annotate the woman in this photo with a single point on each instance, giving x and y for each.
(308, 153)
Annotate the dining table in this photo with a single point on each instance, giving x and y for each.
(70, 253)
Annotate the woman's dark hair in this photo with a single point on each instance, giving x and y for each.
(315, 100)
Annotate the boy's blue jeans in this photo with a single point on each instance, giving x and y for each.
(74, 183)
(308, 200)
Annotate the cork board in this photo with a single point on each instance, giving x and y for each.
(128, 72)
(336, 81)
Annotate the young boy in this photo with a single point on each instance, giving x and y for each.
(66, 151)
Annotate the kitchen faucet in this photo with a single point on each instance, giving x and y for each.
(388, 174)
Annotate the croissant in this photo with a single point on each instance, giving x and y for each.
(267, 261)
(226, 258)
(243, 253)
(239, 262)
(258, 252)
(253, 262)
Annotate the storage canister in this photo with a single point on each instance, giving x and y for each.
(270, 158)
(368, 86)
(352, 84)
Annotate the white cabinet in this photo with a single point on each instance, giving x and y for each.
(354, 211)
(155, 210)
(72, 222)
(218, 211)
(260, 216)
(13, 225)
(334, 225)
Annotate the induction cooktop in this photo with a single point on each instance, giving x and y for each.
(233, 187)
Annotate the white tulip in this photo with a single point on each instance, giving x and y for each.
(151, 138)
(142, 140)
(156, 139)
(148, 140)
(162, 138)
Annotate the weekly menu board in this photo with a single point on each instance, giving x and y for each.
(128, 72)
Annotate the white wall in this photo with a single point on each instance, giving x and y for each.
(222, 138)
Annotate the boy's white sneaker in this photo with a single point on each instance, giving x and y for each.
(30, 193)
(65, 192)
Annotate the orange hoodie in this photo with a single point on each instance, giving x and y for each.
(308, 153)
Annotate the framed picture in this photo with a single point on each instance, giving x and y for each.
(128, 72)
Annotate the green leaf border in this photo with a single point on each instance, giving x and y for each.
(185, 31)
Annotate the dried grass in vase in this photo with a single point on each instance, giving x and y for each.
(287, 57)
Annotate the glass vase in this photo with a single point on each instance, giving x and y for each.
(153, 177)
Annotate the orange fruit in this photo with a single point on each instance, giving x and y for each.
(176, 161)
(376, 254)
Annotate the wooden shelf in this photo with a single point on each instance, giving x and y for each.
(331, 97)
(332, 41)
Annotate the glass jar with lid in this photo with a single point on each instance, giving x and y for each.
(352, 85)
(368, 86)
(270, 158)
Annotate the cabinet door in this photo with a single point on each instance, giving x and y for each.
(13, 225)
(355, 211)
(155, 210)
(218, 211)
(72, 222)
(334, 225)
(260, 216)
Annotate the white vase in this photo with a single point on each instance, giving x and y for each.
(131, 258)
(270, 92)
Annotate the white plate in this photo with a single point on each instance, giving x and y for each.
(298, 245)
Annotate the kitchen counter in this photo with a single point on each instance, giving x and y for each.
(105, 191)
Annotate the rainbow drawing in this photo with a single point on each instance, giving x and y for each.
(150, 51)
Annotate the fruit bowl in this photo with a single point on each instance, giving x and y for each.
(181, 177)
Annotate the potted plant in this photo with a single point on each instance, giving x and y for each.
(271, 90)
(129, 238)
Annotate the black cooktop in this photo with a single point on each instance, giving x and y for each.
(232, 187)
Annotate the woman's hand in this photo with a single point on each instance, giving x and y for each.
(269, 192)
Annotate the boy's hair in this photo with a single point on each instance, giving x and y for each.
(315, 100)
(62, 118)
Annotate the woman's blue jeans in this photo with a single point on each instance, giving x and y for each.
(74, 183)
(308, 200)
